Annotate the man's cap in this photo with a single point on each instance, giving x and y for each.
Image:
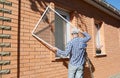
(75, 31)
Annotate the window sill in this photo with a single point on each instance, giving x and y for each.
(62, 58)
(101, 55)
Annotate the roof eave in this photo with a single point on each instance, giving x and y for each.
(107, 8)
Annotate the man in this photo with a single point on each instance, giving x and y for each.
(76, 49)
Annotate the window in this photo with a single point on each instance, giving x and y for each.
(53, 28)
(98, 45)
(99, 38)
(62, 29)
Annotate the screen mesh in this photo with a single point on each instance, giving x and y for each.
(53, 29)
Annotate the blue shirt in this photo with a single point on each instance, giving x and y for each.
(76, 49)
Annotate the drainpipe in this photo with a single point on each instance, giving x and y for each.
(18, 40)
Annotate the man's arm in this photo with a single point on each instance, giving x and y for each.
(87, 37)
(67, 50)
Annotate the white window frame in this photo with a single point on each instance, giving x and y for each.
(44, 42)
(99, 34)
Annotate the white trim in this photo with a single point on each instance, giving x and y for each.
(102, 54)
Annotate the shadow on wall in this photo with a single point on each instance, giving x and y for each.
(64, 60)
(81, 22)
(89, 69)
(38, 5)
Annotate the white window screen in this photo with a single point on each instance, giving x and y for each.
(53, 29)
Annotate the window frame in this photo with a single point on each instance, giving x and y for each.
(101, 38)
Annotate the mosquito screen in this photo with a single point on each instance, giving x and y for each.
(53, 29)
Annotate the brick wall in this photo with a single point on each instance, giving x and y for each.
(9, 30)
(29, 58)
(35, 58)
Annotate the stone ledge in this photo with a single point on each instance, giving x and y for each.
(6, 36)
(5, 45)
(5, 10)
(5, 19)
(4, 53)
(4, 71)
(5, 2)
(3, 62)
(5, 27)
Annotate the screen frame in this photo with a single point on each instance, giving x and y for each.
(40, 39)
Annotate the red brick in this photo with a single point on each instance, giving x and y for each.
(36, 59)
